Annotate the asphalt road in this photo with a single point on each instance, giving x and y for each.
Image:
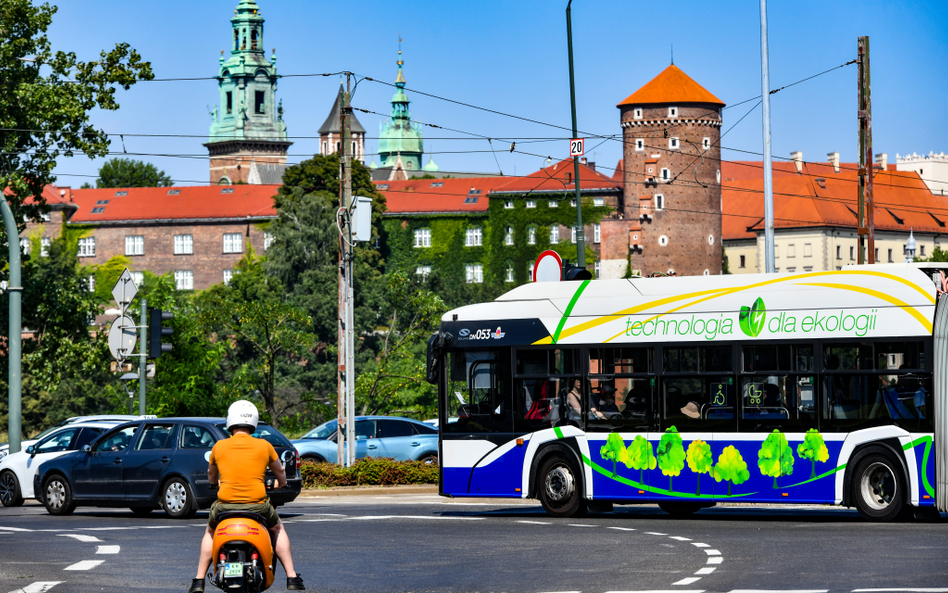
(426, 543)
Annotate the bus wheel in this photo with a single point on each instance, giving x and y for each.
(681, 509)
(560, 488)
(878, 487)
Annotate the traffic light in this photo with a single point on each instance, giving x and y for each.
(156, 332)
(571, 272)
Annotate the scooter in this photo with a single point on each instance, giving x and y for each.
(244, 549)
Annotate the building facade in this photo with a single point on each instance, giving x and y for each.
(247, 124)
(933, 169)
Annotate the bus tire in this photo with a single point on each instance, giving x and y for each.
(680, 510)
(878, 486)
(560, 487)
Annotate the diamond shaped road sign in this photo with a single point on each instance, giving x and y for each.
(124, 290)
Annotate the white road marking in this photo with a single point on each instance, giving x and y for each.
(706, 570)
(679, 538)
(580, 525)
(718, 560)
(37, 587)
(687, 581)
(794, 590)
(916, 590)
(712, 552)
(622, 528)
(17, 529)
(84, 565)
(561, 592)
(700, 545)
(80, 537)
(654, 533)
(377, 517)
(535, 522)
(107, 549)
(662, 591)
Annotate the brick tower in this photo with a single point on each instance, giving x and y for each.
(671, 129)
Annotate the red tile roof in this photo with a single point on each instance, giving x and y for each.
(410, 196)
(559, 178)
(824, 198)
(53, 194)
(619, 175)
(208, 202)
(671, 86)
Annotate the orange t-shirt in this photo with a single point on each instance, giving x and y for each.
(242, 462)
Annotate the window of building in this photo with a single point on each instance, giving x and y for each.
(673, 143)
(554, 234)
(597, 233)
(437, 184)
(637, 113)
(472, 237)
(598, 269)
(138, 278)
(921, 250)
(184, 279)
(852, 253)
(877, 255)
(268, 240)
(121, 193)
(791, 250)
(508, 274)
(134, 245)
(474, 273)
(639, 144)
(743, 262)
(839, 252)
(509, 204)
(324, 147)
(791, 269)
(807, 250)
(229, 101)
(672, 112)
(90, 282)
(776, 251)
(531, 235)
(807, 268)
(531, 203)
(572, 203)
(258, 107)
(470, 200)
(706, 143)
(508, 237)
(383, 186)
(98, 210)
(173, 192)
(659, 202)
(233, 243)
(599, 202)
(666, 174)
(554, 203)
(25, 246)
(663, 240)
(530, 272)
(183, 244)
(423, 271)
(890, 255)
(228, 276)
(573, 235)
(227, 190)
(87, 247)
(710, 239)
(102, 203)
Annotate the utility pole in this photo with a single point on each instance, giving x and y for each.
(14, 337)
(346, 270)
(580, 241)
(142, 361)
(768, 157)
(866, 230)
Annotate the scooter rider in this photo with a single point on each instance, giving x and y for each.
(238, 465)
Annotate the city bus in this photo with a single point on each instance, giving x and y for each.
(807, 388)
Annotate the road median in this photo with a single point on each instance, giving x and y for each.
(369, 490)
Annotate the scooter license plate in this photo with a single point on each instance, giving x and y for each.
(233, 569)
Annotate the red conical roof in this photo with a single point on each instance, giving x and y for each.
(671, 86)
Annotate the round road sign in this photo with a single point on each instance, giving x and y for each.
(122, 337)
(548, 267)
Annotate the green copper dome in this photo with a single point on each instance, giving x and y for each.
(398, 137)
(431, 166)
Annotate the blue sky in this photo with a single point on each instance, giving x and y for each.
(511, 57)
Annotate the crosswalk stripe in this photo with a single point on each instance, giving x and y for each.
(84, 565)
(716, 560)
(779, 591)
(906, 590)
(706, 570)
(37, 587)
(80, 537)
(107, 549)
(687, 581)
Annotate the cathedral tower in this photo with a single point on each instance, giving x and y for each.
(247, 127)
(330, 133)
(399, 139)
(672, 160)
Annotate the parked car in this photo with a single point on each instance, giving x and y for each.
(148, 464)
(17, 469)
(5, 447)
(376, 436)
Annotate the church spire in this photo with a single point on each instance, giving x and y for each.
(399, 138)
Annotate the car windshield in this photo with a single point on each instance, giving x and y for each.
(267, 433)
(323, 431)
(47, 431)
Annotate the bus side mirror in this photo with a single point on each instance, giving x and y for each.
(436, 345)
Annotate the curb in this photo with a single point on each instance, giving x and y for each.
(367, 491)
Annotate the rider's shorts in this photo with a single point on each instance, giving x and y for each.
(261, 508)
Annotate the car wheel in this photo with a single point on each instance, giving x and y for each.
(312, 458)
(10, 494)
(878, 487)
(560, 487)
(681, 509)
(429, 459)
(177, 500)
(57, 496)
(142, 511)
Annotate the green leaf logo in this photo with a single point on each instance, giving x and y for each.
(752, 318)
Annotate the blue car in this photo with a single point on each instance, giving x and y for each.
(376, 436)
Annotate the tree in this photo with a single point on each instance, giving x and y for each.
(45, 116)
(639, 456)
(699, 459)
(613, 448)
(671, 455)
(813, 448)
(131, 173)
(775, 457)
(730, 468)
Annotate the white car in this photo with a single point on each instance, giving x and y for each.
(5, 447)
(17, 469)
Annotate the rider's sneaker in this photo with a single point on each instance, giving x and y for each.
(197, 586)
(295, 583)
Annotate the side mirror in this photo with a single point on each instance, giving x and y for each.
(31, 450)
(87, 448)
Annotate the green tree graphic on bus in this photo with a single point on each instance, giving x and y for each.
(699, 459)
(639, 456)
(613, 448)
(813, 448)
(752, 318)
(671, 455)
(730, 468)
(775, 457)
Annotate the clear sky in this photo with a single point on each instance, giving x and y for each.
(511, 56)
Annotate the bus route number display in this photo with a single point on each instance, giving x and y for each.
(577, 147)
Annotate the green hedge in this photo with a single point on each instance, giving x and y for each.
(368, 472)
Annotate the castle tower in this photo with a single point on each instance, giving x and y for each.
(672, 157)
(398, 138)
(248, 125)
(330, 133)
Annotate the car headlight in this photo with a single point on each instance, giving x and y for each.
(3, 453)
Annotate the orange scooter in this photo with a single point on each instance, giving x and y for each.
(244, 549)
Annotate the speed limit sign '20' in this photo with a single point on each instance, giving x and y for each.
(577, 147)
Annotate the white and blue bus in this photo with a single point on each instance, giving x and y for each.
(819, 387)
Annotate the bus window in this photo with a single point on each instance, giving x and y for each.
(699, 403)
(548, 390)
(478, 391)
(621, 389)
(783, 402)
(785, 357)
(847, 357)
(693, 359)
(853, 400)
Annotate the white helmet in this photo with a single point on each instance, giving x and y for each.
(242, 413)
